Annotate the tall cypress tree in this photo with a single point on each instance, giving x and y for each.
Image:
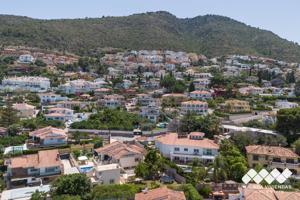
(8, 116)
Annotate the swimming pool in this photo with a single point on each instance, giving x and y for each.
(85, 168)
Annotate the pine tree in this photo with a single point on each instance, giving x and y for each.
(191, 87)
(8, 116)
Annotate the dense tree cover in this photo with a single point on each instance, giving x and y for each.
(208, 124)
(197, 175)
(153, 164)
(40, 122)
(255, 124)
(39, 196)
(66, 197)
(74, 184)
(191, 87)
(151, 167)
(190, 192)
(40, 63)
(13, 140)
(296, 146)
(8, 116)
(288, 123)
(290, 77)
(205, 190)
(172, 85)
(210, 34)
(33, 98)
(230, 164)
(124, 191)
(297, 89)
(112, 119)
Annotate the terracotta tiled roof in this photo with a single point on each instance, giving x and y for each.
(118, 149)
(257, 192)
(103, 90)
(200, 134)
(174, 95)
(200, 92)
(46, 158)
(23, 106)
(172, 139)
(271, 151)
(48, 132)
(194, 102)
(162, 193)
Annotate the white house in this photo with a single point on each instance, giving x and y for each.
(127, 155)
(30, 83)
(26, 58)
(285, 104)
(201, 83)
(113, 101)
(51, 97)
(200, 95)
(185, 149)
(107, 174)
(145, 99)
(61, 114)
(170, 67)
(203, 75)
(251, 90)
(198, 107)
(81, 86)
(24, 193)
(49, 136)
(150, 112)
(34, 168)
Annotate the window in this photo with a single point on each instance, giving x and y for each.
(255, 157)
(276, 160)
(186, 149)
(208, 152)
(112, 181)
(196, 151)
(176, 149)
(289, 160)
(136, 159)
(50, 169)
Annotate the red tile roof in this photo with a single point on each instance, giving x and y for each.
(172, 139)
(162, 193)
(271, 151)
(49, 132)
(118, 149)
(47, 158)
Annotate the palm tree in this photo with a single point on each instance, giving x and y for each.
(219, 172)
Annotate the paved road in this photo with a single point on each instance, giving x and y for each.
(118, 132)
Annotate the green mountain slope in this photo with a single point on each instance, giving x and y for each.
(210, 34)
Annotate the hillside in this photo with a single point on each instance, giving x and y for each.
(210, 34)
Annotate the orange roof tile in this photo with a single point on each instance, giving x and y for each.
(194, 102)
(162, 193)
(271, 151)
(48, 132)
(45, 158)
(172, 139)
(118, 149)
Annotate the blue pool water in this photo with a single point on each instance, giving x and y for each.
(85, 168)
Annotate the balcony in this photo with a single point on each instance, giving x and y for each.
(284, 165)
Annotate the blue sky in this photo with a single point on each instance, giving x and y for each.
(280, 16)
